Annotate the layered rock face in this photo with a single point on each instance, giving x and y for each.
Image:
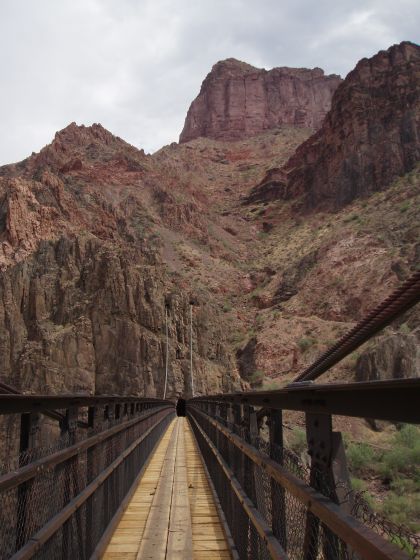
(83, 315)
(237, 100)
(83, 284)
(370, 136)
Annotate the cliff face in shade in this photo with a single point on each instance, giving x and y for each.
(237, 100)
(370, 136)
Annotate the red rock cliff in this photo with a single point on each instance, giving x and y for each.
(237, 100)
(370, 136)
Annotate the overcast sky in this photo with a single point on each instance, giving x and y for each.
(136, 65)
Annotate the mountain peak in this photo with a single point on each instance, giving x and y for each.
(237, 100)
(81, 135)
(232, 65)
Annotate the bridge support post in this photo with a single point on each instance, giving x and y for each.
(71, 485)
(328, 475)
(29, 436)
(258, 493)
(112, 415)
(91, 472)
(278, 498)
(217, 416)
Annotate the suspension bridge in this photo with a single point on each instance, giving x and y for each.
(205, 477)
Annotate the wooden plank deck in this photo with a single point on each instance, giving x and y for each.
(172, 514)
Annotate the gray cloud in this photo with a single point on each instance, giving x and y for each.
(135, 66)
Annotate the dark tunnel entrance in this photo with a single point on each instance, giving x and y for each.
(181, 406)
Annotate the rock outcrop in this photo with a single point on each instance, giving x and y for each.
(237, 100)
(394, 356)
(370, 136)
(84, 315)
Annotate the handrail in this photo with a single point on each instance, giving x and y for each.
(362, 539)
(395, 400)
(47, 531)
(17, 404)
(86, 475)
(254, 515)
(23, 474)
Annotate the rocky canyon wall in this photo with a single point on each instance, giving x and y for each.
(237, 100)
(370, 136)
(83, 286)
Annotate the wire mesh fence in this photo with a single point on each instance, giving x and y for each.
(60, 500)
(300, 533)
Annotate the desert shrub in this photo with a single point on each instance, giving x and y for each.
(256, 377)
(305, 343)
(402, 510)
(352, 218)
(360, 457)
(404, 329)
(358, 484)
(271, 386)
(405, 206)
(404, 544)
(402, 485)
(408, 435)
(404, 457)
(227, 307)
(297, 440)
(400, 460)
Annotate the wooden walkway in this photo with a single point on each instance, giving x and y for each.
(172, 514)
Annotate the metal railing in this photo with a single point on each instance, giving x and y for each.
(62, 500)
(274, 506)
(74, 461)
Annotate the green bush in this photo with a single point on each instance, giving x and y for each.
(256, 377)
(402, 510)
(404, 457)
(409, 436)
(405, 329)
(271, 386)
(360, 457)
(402, 485)
(404, 544)
(357, 484)
(298, 440)
(305, 343)
(400, 460)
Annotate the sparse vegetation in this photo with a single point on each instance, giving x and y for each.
(399, 469)
(360, 456)
(405, 206)
(270, 386)
(256, 377)
(297, 440)
(404, 329)
(352, 218)
(305, 343)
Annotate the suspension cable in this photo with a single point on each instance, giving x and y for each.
(406, 296)
(191, 350)
(167, 351)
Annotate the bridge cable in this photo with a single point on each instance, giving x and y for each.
(167, 351)
(402, 299)
(191, 351)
